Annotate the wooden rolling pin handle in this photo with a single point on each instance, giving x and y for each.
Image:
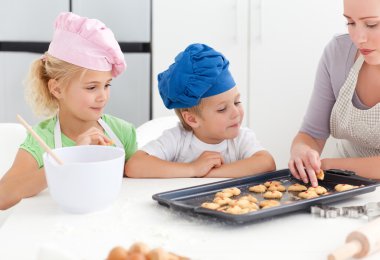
(360, 242)
(362, 238)
(346, 251)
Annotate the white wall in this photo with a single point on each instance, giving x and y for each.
(286, 46)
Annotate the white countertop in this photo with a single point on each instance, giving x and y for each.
(37, 222)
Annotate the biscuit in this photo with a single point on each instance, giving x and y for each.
(222, 200)
(320, 175)
(278, 187)
(235, 191)
(258, 188)
(248, 197)
(253, 206)
(297, 187)
(269, 203)
(344, 187)
(319, 190)
(236, 210)
(272, 195)
(210, 205)
(269, 183)
(222, 194)
(308, 194)
(223, 208)
(244, 204)
(111, 142)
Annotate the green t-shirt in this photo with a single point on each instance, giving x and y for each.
(45, 129)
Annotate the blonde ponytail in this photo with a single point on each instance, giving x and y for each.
(37, 92)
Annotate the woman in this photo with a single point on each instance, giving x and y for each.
(345, 100)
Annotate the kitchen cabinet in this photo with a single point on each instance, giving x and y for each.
(130, 92)
(24, 20)
(14, 68)
(28, 37)
(129, 20)
(23, 24)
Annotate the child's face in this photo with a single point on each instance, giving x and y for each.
(221, 117)
(87, 95)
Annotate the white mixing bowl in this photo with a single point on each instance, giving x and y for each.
(90, 178)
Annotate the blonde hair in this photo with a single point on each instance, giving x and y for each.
(197, 110)
(37, 91)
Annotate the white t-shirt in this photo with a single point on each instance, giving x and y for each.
(179, 145)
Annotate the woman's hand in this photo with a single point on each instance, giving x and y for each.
(93, 136)
(206, 162)
(304, 163)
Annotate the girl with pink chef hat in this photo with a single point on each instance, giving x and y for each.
(70, 86)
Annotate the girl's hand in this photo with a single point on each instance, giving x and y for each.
(206, 162)
(93, 136)
(304, 164)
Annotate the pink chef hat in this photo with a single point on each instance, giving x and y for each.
(87, 43)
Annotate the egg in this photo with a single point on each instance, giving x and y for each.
(139, 248)
(157, 254)
(136, 256)
(117, 253)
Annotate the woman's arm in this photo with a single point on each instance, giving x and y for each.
(24, 179)
(366, 167)
(143, 165)
(259, 162)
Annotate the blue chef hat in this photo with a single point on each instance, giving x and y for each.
(198, 72)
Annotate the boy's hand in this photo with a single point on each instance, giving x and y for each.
(93, 136)
(206, 162)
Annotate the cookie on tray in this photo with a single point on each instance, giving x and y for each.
(229, 192)
(319, 190)
(273, 195)
(308, 194)
(320, 175)
(258, 188)
(244, 204)
(236, 210)
(224, 194)
(222, 200)
(344, 187)
(278, 187)
(248, 197)
(210, 205)
(269, 203)
(269, 183)
(297, 187)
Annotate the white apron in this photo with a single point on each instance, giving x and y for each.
(357, 129)
(107, 129)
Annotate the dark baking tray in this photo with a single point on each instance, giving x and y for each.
(188, 200)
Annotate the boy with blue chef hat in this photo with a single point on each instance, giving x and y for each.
(209, 141)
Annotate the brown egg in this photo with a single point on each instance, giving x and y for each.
(117, 253)
(172, 256)
(157, 254)
(139, 248)
(135, 256)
